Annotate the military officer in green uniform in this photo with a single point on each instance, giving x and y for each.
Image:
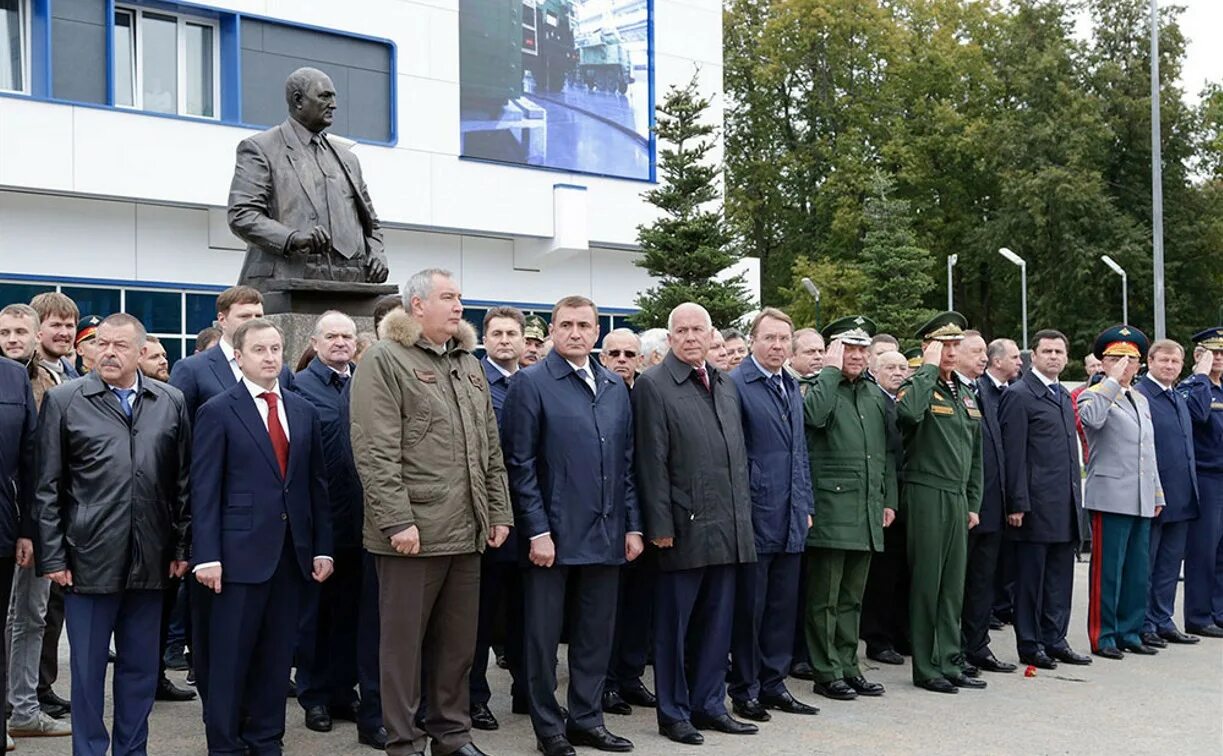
(854, 474)
(941, 483)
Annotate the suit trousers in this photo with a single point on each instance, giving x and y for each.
(762, 649)
(938, 553)
(980, 581)
(27, 620)
(1120, 576)
(1204, 556)
(500, 597)
(1044, 586)
(836, 581)
(327, 650)
(591, 623)
(132, 617)
(634, 623)
(369, 715)
(702, 598)
(249, 657)
(48, 665)
(1004, 582)
(1168, 542)
(168, 602)
(885, 604)
(428, 607)
(800, 654)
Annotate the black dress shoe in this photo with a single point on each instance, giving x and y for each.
(960, 681)
(54, 710)
(168, 691)
(724, 723)
(318, 719)
(1141, 649)
(482, 717)
(375, 739)
(864, 687)
(787, 703)
(751, 709)
(1206, 631)
(682, 732)
(1153, 640)
(969, 669)
(991, 663)
(469, 750)
(996, 624)
(938, 685)
(638, 695)
(614, 703)
(1108, 652)
(802, 670)
(1070, 656)
(1040, 660)
(600, 739)
(555, 745)
(1176, 636)
(885, 656)
(837, 690)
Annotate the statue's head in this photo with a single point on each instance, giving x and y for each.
(310, 96)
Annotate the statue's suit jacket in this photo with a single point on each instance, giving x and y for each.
(271, 197)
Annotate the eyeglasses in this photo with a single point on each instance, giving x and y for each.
(629, 353)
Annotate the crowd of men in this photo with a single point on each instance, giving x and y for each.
(736, 510)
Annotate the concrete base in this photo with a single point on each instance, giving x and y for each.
(298, 327)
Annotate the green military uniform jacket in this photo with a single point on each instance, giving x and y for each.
(942, 436)
(853, 472)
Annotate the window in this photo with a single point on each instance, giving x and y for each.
(166, 63)
(14, 36)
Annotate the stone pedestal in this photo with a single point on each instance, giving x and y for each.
(295, 304)
(299, 326)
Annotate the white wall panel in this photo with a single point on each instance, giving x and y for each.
(172, 245)
(67, 236)
(410, 251)
(35, 144)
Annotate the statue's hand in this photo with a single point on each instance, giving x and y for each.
(375, 269)
(299, 244)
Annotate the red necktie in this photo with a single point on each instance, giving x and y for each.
(703, 376)
(280, 442)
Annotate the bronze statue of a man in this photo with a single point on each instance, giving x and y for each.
(298, 198)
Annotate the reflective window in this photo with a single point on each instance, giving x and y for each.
(125, 58)
(14, 293)
(201, 312)
(94, 301)
(160, 311)
(13, 36)
(165, 63)
(199, 69)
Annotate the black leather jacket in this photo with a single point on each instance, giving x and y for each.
(111, 499)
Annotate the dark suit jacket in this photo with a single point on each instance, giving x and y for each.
(1174, 452)
(241, 506)
(324, 389)
(271, 197)
(993, 496)
(1043, 477)
(569, 457)
(202, 376)
(18, 420)
(778, 472)
(498, 387)
(691, 464)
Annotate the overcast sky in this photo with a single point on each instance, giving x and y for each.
(1202, 23)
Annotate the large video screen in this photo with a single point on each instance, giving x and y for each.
(562, 84)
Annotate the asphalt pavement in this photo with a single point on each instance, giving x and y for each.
(1167, 704)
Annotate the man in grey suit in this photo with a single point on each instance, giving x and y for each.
(1123, 494)
(692, 479)
(298, 198)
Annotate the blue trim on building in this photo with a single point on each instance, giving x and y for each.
(653, 108)
(111, 282)
(230, 51)
(569, 186)
(544, 306)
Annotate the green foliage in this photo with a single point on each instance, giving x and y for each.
(993, 125)
(688, 245)
(841, 288)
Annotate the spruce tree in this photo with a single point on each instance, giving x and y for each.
(898, 269)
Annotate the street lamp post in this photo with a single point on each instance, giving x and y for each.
(814, 291)
(951, 261)
(1023, 282)
(1125, 297)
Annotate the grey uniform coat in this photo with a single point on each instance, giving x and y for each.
(691, 466)
(1122, 476)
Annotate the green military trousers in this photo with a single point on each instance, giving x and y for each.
(836, 580)
(937, 528)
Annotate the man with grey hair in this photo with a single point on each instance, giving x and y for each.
(428, 452)
(621, 354)
(328, 231)
(336, 624)
(1004, 362)
(653, 347)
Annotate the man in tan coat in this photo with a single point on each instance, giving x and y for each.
(425, 441)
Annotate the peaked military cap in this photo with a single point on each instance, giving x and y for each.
(535, 328)
(857, 330)
(87, 328)
(1211, 338)
(914, 356)
(946, 326)
(1121, 341)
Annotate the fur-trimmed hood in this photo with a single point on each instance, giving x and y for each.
(399, 326)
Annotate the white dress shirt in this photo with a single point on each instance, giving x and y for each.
(590, 376)
(228, 350)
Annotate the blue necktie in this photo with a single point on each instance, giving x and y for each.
(125, 399)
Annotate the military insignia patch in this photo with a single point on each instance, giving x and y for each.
(939, 409)
(425, 376)
(476, 380)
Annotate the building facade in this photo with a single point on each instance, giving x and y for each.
(118, 123)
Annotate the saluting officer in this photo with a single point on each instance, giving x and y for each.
(940, 495)
(1203, 605)
(855, 499)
